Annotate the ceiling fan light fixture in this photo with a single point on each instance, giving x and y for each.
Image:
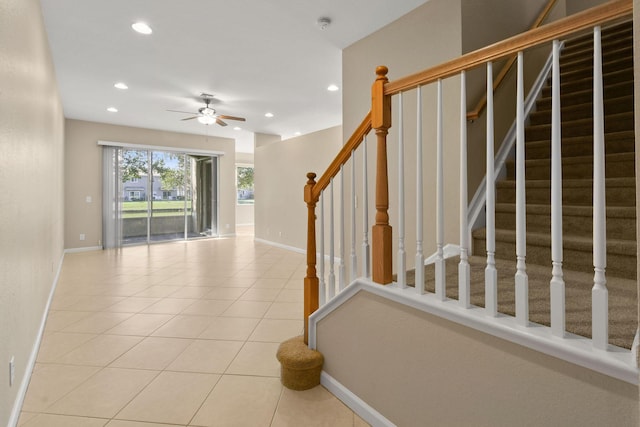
(142, 28)
(207, 120)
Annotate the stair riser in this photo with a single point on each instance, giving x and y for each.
(586, 83)
(581, 128)
(586, 72)
(587, 60)
(583, 111)
(574, 225)
(539, 150)
(577, 196)
(575, 51)
(608, 35)
(618, 265)
(542, 170)
(615, 91)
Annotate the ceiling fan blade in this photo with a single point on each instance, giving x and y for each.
(178, 111)
(241, 119)
(220, 122)
(189, 118)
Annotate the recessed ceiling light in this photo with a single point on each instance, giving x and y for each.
(121, 85)
(142, 28)
(237, 128)
(112, 109)
(268, 115)
(333, 88)
(297, 134)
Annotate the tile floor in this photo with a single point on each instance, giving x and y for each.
(175, 334)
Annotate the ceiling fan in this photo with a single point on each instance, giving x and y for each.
(207, 115)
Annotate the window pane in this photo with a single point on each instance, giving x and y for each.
(245, 185)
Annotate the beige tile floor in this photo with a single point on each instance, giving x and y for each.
(175, 334)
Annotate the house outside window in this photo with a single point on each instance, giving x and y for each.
(244, 184)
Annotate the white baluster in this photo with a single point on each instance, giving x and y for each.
(354, 258)
(332, 275)
(600, 294)
(419, 233)
(366, 260)
(402, 256)
(490, 272)
(557, 280)
(341, 266)
(521, 278)
(464, 270)
(322, 286)
(441, 293)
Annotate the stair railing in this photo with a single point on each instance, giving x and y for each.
(379, 119)
(474, 114)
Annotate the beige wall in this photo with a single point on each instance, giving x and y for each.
(417, 369)
(31, 184)
(83, 174)
(280, 175)
(428, 36)
(575, 6)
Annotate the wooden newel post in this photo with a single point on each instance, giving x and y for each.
(311, 282)
(381, 233)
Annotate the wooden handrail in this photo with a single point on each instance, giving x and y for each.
(482, 103)
(589, 18)
(341, 158)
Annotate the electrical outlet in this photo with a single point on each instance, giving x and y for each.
(82, 236)
(89, 199)
(12, 371)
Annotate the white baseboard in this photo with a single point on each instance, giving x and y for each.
(85, 249)
(357, 405)
(280, 245)
(22, 391)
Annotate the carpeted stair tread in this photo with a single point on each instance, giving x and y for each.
(576, 220)
(622, 296)
(580, 243)
(619, 191)
(586, 96)
(608, 35)
(620, 104)
(582, 127)
(617, 165)
(618, 46)
(587, 60)
(612, 66)
(615, 142)
(568, 85)
(577, 251)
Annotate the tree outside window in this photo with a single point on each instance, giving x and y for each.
(244, 179)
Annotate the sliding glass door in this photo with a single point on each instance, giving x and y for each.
(153, 196)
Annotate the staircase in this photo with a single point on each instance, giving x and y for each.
(577, 169)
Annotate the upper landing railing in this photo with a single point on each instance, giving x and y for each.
(321, 286)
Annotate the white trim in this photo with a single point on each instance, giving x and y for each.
(476, 207)
(245, 225)
(357, 405)
(162, 148)
(448, 251)
(22, 391)
(84, 249)
(280, 245)
(616, 362)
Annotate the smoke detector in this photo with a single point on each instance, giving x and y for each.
(323, 23)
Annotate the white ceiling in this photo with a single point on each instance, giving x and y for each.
(255, 56)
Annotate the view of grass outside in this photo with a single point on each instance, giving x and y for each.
(160, 208)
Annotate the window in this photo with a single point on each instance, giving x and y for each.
(134, 196)
(244, 184)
